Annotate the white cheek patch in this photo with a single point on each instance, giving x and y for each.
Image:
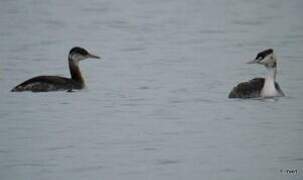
(267, 59)
(76, 57)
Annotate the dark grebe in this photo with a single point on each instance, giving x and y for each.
(260, 87)
(56, 83)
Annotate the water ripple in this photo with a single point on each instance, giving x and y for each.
(167, 162)
(86, 169)
(56, 148)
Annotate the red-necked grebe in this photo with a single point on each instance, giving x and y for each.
(260, 87)
(56, 83)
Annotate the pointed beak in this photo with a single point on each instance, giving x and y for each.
(254, 61)
(93, 56)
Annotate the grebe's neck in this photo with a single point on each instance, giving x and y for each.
(75, 71)
(271, 73)
(269, 88)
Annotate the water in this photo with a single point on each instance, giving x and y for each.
(156, 105)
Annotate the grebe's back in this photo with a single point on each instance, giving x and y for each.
(250, 89)
(47, 83)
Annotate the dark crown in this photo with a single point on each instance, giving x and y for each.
(263, 54)
(78, 50)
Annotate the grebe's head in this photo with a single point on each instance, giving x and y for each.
(77, 54)
(266, 57)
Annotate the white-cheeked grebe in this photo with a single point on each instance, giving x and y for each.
(260, 87)
(57, 83)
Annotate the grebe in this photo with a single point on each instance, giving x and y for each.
(260, 87)
(56, 83)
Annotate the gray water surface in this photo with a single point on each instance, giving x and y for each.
(156, 104)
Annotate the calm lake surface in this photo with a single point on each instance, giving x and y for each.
(156, 104)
